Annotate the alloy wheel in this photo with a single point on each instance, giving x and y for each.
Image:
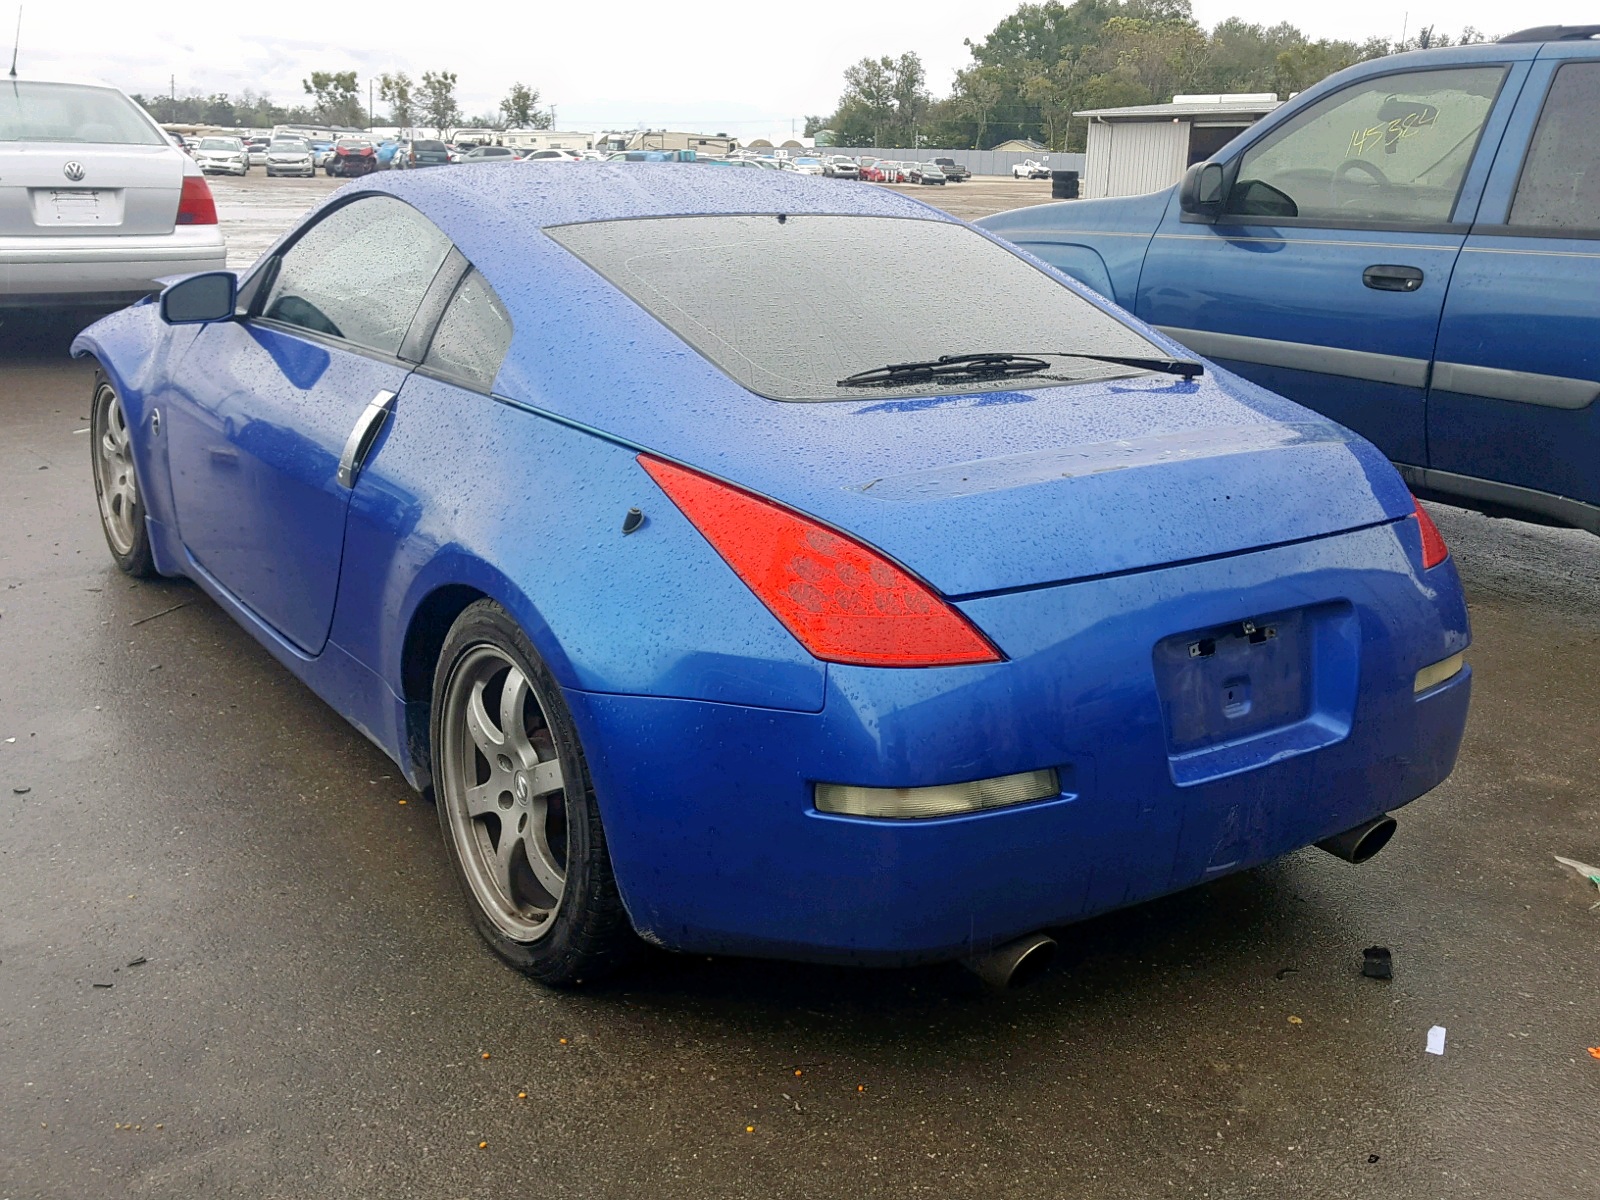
(504, 793)
(113, 464)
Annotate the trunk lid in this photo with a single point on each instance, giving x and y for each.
(1017, 503)
(983, 494)
(77, 189)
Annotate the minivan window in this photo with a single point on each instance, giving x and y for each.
(1391, 149)
(359, 273)
(764, 299)
(64, 112)
(1560, 184)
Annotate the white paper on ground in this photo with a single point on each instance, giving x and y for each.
(1436, 1040)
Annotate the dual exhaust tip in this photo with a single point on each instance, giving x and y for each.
(1018, 963)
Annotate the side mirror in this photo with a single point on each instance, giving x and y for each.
(200, 298)
(1200, 193)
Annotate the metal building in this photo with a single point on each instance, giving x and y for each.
(1147, 147)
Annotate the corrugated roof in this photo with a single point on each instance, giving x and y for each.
(1167, 112)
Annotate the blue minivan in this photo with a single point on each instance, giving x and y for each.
(1411, 247)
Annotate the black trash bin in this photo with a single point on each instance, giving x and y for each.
(1063, 185)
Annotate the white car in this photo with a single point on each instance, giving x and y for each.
(1030, 168)
(808, 166)
(840, 166)
(225, 155)
(96, 203)
(290, 156)
(552, 156)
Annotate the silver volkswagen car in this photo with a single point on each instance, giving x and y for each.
(96, 203)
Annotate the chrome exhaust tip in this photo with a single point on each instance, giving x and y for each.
(1016, 964)
(1361, 843)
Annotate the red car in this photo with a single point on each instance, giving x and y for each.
(872, 173)
(352, 157)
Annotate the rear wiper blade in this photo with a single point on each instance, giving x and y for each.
(947, 366)
(1000, 365)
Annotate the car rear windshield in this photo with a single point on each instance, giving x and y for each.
(763, 298)
(64, 112)
(218, 144)
(431, 147)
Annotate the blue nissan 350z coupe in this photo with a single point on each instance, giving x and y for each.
(725, 603)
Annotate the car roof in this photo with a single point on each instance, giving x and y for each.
(615, 192)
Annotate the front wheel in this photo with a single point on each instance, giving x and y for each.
(116, 487)
(517, 809)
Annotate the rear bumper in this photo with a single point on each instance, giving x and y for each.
(79, 270)
(224, 168)
(719, 849)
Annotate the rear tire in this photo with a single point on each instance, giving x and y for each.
(520, 821)
(116, 486)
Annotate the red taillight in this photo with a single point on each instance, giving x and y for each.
(1434, 551)
(196, 206)
(842, 600)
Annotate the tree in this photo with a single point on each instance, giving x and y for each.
(334, 96)
(521, 108)
(883, 103)
(395, 91)
(437, 105)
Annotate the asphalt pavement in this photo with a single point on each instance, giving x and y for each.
(233, 961)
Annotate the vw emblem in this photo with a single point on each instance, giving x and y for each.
(73, 171)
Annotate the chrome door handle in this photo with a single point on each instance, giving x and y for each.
(359, 444)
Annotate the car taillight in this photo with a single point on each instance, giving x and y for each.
(196, 205)
(843, 601)
(1434, 551)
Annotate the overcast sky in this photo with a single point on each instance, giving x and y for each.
(746, 67)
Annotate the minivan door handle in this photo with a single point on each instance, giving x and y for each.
(359, 444)
(1385, 277)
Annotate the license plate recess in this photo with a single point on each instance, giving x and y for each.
(1241, 695)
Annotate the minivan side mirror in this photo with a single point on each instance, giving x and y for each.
(200, 298)
(1200, 193)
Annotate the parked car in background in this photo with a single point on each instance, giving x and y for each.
(840, 166)
(427, 152)
(1030, 168)
(387, 150)
(321, 151)
(256, 147)
(489, 154)
(553, 156)
(807, 166)
(352, 157)
(222, 156)
(872, 172)
(926, 172)
(953, 171)
(96, 203)
(290, 156)
(1430, 280)
(877, 670)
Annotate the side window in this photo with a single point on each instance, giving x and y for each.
(359, 273)
(1560, 184)
(1392, 149)
(473, 335)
